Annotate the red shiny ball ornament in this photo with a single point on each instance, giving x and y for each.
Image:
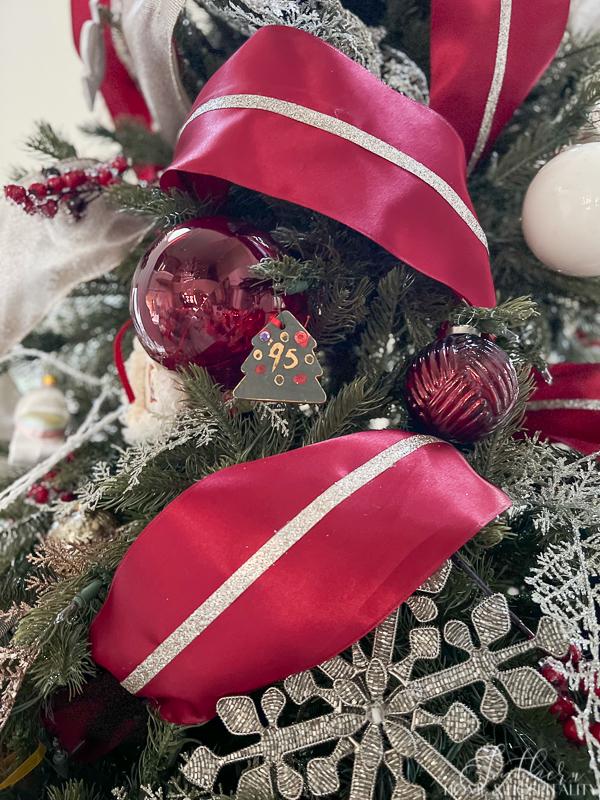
(461, 387)
(194, 299)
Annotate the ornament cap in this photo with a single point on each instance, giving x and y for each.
(467, 329)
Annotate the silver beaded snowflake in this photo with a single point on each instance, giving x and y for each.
(378, 710)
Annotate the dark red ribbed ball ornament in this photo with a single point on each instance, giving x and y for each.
(194, 299)
(461, 387)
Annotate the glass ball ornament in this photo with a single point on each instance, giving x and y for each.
(194, 299)
(561, 212)
(461, 387)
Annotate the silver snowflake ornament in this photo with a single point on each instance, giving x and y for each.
(378, 710)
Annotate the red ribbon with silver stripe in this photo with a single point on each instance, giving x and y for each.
(486, 56)
(270, 567)
(567, 410)
(292, 117)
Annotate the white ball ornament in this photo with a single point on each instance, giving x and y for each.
(561, 212)
(584, 20)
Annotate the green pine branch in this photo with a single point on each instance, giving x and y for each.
(539, 142)
(73, 790)
(382, 322)
(166, 208)
(343, 306)
(137, 142)
(164, 742)
(347, 411)
(46, 142)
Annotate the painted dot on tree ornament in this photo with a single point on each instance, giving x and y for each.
(279, 379)
(257, 355)
(309, 359)
(260, 369)
(301, 338)
(285, 337)
(264, 336)
(300, 378)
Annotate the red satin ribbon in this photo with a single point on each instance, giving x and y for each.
(119, 90)
(349, 571)
(464, 45)
(578, 427)
(284, 158)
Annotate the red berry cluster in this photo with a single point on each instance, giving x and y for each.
(564, 708)
(47, 489)
(72, 189)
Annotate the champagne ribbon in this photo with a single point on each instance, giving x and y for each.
(24, 768)
(119, 89)
(148, 27)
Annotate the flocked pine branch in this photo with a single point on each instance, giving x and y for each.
(327, 19)
(377, 350)
(565, 585)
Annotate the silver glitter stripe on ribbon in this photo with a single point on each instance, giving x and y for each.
(337, 127)
(497, 82)
(568, 403)
(272, 550)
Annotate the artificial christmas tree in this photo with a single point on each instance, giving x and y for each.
(427, 602)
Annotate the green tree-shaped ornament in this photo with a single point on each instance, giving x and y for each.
(282, 366)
